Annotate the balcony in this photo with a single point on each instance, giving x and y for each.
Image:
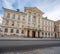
(33, 28)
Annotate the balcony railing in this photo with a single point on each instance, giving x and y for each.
(33, 28)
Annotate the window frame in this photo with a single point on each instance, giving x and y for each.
(8, 15)
(6, 30)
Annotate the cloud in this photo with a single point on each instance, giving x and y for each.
(51, 8)
(54, 11)
(1, 19)
(8, 3)
(22, 4)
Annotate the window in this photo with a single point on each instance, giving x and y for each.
(39, 20)
(8, 15)
(7, 22)
(13, 16)
(18, 17)
(23, 18)
(18, 23)
(12, 23)
(38, 26)
(17, 31)
(28, 24)
(34, 18)
(29, 18)
(22, 31)
(45, 33)
(44, 28)
(42, 33)
(48, 33)
(44, 22)
(6, 30)
(11, 30)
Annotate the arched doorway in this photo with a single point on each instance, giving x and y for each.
(55, 35)
(27, 33)
(33, 34)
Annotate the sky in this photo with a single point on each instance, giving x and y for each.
(51, 8)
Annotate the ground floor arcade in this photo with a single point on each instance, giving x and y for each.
(32, 33)
(39, 34)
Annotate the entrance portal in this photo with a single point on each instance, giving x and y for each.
(33, 34)
(28, 33)
(55, 35)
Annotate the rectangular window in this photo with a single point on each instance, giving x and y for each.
(12, 23)
(18, 17)
(11, 30)
(34, 19)
(22, 31)
(38, 20)
(48, 33)
(29, 18)
(18, 23)
(28, 24)
(8, 15)
(45, 33)
(23, 18)
(13, 16)
(39, 26)
(17, 31)
(42, 33)
(7, 22)
(6, 30)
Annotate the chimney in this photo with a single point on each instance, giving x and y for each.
(18, 10)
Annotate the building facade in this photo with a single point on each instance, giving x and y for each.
(57, 29)
(47, 27)
(29, 23)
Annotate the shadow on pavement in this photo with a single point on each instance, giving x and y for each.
(26, 48)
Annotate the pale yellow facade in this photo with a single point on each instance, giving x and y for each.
(29, 23)
(48, 27)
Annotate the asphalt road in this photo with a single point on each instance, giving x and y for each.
(26, 44)
(49, 50)
(10, 42)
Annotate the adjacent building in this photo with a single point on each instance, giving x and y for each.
(29, 23)
(47, 27)
(57, 28)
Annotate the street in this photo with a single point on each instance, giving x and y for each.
(29, 46)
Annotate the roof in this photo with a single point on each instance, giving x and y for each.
(14, 10)
(33, 8)
(47, 19)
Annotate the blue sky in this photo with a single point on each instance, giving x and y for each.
(51, 8)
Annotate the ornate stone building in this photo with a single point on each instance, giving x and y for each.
(29, 23)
